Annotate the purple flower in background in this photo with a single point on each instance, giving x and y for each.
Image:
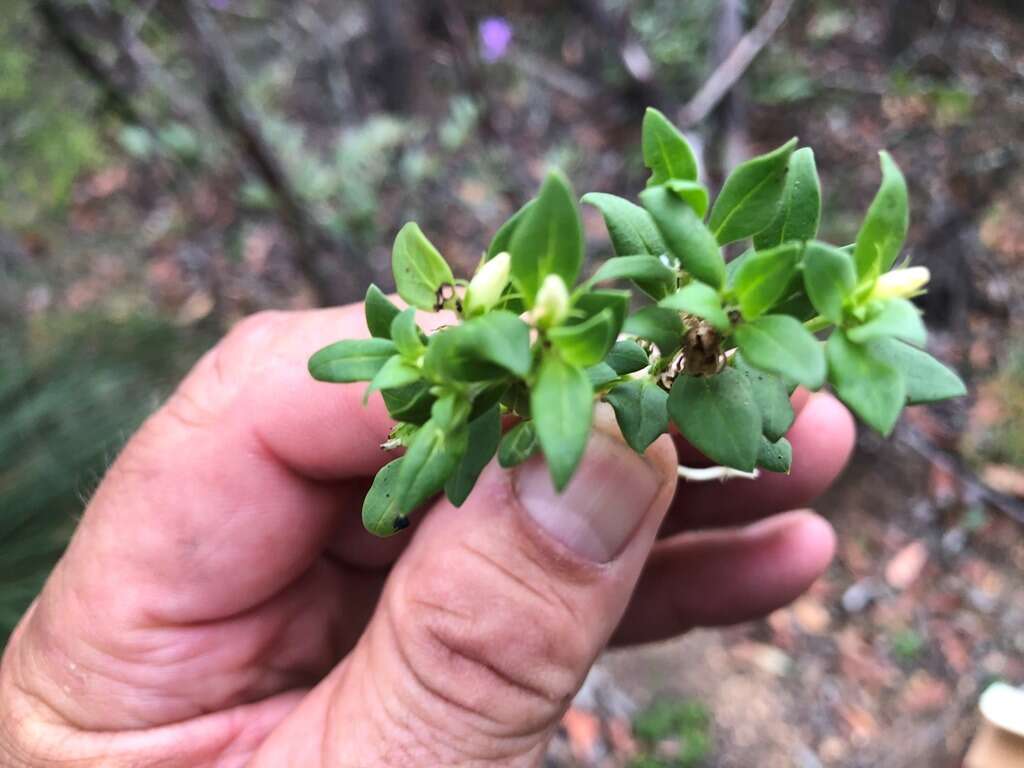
(495, 35)
(219, 5)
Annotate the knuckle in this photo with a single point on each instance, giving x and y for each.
(504, 650)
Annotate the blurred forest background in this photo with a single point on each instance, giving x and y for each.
(169, 167)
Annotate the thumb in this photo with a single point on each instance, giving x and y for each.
(493, 616)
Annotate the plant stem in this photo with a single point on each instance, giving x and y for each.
(706, 474)
(817, 323)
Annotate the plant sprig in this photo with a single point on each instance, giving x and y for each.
(716, 349)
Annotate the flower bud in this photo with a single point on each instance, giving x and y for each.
(901, 283)
(488, 283)
(552, 303)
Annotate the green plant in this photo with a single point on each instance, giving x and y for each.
(683, 721)
(717, 351)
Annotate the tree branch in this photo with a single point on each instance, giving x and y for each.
(735, 64)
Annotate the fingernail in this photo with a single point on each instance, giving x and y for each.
(598, 512)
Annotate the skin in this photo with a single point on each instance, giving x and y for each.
(221, 605)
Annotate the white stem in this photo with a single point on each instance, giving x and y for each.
(706, 474)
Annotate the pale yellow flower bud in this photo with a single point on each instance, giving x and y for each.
(552, 303)
(488, 284)
(901, 283)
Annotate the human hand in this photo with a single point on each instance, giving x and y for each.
(221, 605)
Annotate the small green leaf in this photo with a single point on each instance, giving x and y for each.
(406, 335)
(484, 435)
(503, 237)
(750, 196)
(799, 214)
(586, 305)
(641, 411)
(601, 375)
(562, 403)
(719, 417)
(884, 229)
(780, 344)
(873, 389)
(692, 193)
(351, 360)
(379, 312)
(829, 278)
(927, 380)
(896, 318)
(432, 456)
(686, 236)
(626, 357)
(549, 239)
(480, 349)
(630, 227)
(700, 300)
(395, 374)
(518, 444)
(381, 515)
(411, 403)
(666, 152)
(588, 342)
(764, 277)
(648, 272)
(775, 457)
(772, 399)
(659, 325)
(419, 268)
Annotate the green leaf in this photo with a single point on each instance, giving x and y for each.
(588, 342)
(719, 417)
(484, 435)
(419, 268)
(626, 357)
(799, 214)
(666, 152)
(601, 375)
(829, 278)
(351, 360)
(775, 456)
(750, 196)
(562, 403)
(429, 461)
(873, 389)
(649, 272)
(686, 236)
(763, 278)
(381, 515)
(780, 344)
(480, 349)
(927, 380)
(692, 193)
(884, 229)
(395, 374)
(771, 397)
(518, 444)
(700, 300)
(659, 325)
(406, 335)
(641, 411)
(896, 318)
(630, 227)
(379, 312)
(411, 403)
(503, 237)
(586, 305)
(549, 239)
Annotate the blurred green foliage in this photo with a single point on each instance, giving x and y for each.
(72, 390)
(48, 132)
(684, 722)
(996, 435)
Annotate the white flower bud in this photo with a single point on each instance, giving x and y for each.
(488, 283)
(901, 283)
(552, 303)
